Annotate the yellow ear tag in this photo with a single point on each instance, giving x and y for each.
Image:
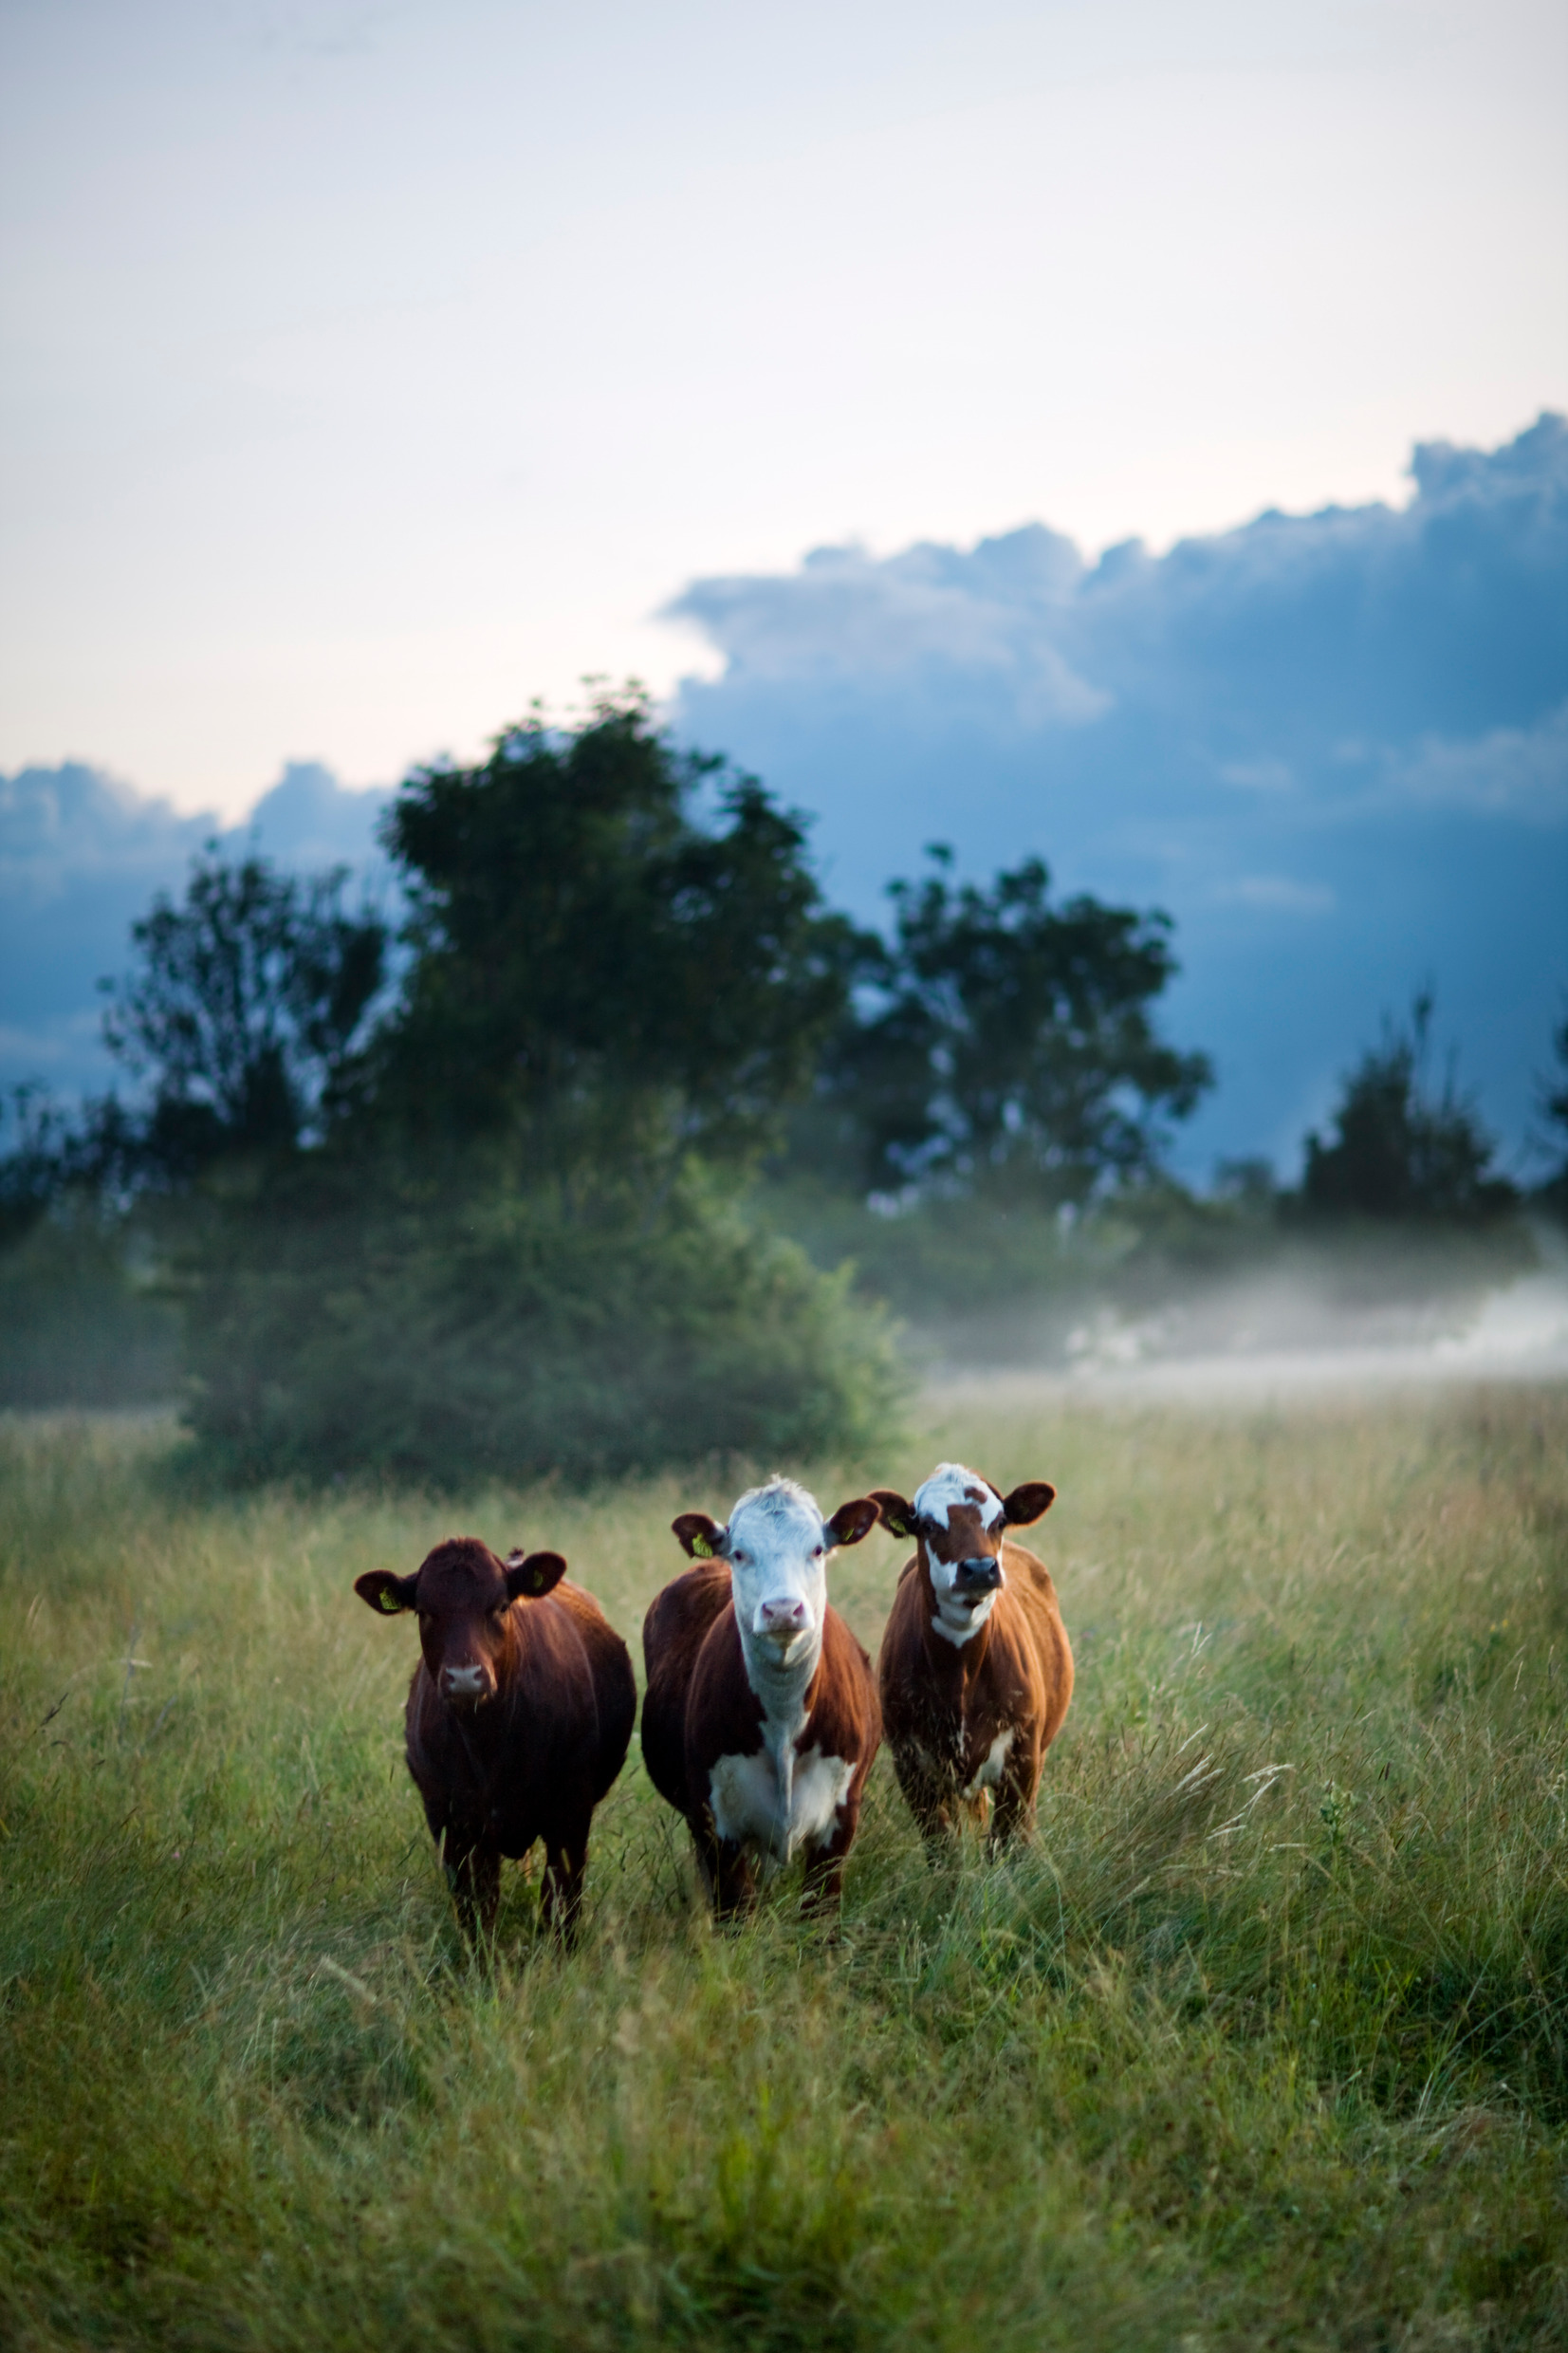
(388, 1604)
(701, 1547)
(535, 1582)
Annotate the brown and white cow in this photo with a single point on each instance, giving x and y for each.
(760, 1720)
(518, 1719)
(975, 1672)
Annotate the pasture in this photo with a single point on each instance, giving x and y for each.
(1264, 2042)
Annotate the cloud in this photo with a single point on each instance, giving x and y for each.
(1357, 714)
(1511, 771)
(65, 823)
(930, 619)
(1335, 745)
(83, 855)
(308, 821)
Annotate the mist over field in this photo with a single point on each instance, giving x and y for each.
(1311, 1330)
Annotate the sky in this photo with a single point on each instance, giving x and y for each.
(367, 371)
(1105, 431)
(1333, 747)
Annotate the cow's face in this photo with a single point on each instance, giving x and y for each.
(463, 1597)
(777, 1543)
(961, 1523)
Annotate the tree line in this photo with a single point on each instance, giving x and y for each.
(592, 971)
(470, 1191)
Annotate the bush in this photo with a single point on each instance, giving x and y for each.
(517, 1331)
(78, 1327)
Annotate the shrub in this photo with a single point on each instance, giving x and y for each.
(519, 1331)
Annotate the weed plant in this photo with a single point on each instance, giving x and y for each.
(1264, 2040)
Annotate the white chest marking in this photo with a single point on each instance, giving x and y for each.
(991, 1771)
(755, 1805)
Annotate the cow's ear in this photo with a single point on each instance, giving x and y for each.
(703, 1538)
(535, 1574)
(387, 1593)
(1028, 1503)
(852, 1520)
(896, 1511)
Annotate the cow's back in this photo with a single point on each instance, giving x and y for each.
(1034, 1619)
(615, 1687)
(899, 1660)
(572, 1699)
(677, 1624)
(846, 1716)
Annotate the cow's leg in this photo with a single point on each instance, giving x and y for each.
(726, 1870)
(931, 1806)
(825, 1871)
(473, 1874)
(1014, 1812)
(565, 1860)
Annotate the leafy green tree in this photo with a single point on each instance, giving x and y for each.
(1400, 1149)
(590, 961)
(1013, 1042)
(241, 1015)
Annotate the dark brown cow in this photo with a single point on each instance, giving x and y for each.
(518, 1716)
(975, 1672)
(760, 1720)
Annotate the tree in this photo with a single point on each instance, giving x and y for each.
(33, 1170)
(585, 952)
(247, 1002)
(1553, 1094)
(1399, 1149)
(1012, 1041)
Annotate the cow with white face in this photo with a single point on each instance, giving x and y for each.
(975, 1671)
(760, 1721)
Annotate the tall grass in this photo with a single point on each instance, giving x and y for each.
(1263, 2041)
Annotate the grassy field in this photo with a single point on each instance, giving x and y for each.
(1264, 2042)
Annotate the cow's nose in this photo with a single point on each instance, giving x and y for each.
(980, 1576)
(786, 1617)
(465, 1684)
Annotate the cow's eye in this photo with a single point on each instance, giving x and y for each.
(737, 1558)
(817, 1554)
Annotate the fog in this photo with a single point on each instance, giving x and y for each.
(1331, 1328)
